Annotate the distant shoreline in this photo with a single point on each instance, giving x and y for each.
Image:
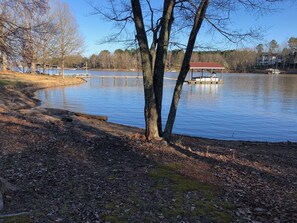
(257, 71)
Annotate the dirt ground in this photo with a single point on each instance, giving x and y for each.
(59, 166)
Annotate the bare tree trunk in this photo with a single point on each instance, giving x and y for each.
(161, 55)
(68, 39)
(151, 115)
(44, 59)
(62, 66)
(199, 17)
(33, 66)
(4, 60)
(3, 42)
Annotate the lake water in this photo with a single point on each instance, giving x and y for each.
(257, 107)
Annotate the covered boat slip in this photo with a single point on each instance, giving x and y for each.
(210, 67)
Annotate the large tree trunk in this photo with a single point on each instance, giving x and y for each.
(199, 17)
(160, 62)
(151, 115)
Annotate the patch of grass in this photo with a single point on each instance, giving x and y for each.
(4, 82)
(178, 182)
(12, 83)
(113, 218)
(205, 203)
(121, 213)
(64, 209)
(116, 213)
(18, 219)
(24, 80)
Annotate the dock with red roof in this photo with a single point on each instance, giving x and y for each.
(212, 67)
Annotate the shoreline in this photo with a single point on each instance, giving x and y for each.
(256, 71)
(94, 166)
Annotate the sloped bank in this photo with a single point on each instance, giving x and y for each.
(70, 168)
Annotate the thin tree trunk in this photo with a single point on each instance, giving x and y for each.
(151, 115)
(33, 66)
(199, 17)
(44, 57)
(62, 66)
(4, 60)
(44, 68)
(161, 55)
(3, 42)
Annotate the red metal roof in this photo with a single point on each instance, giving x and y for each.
(206, 65)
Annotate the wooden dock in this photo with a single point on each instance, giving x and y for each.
(204, 82)
(82, 75)
(116, 77)
(119, 77)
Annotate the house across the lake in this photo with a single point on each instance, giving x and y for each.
(277, 60)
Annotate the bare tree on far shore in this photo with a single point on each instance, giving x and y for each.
(17, 28)
(68, 39)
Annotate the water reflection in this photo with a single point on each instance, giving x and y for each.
(247, 106)
(62, 98)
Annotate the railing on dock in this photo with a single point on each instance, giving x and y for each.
(81, 75)
(205, 82)
(115, 77)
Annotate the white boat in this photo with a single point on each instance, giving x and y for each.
(273, 71)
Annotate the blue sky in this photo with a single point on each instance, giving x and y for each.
(281, 25)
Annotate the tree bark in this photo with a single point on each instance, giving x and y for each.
(199, 17)
(44, 67)
(62, 66)
(3, 43)
(32, 66)
(150, 110)
(160, 61)
(4, 60)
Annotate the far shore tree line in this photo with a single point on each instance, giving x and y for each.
(263, 56)
(33, 32)
(38, 35)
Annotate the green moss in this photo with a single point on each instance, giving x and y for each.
(110, 206)
(116, 213)
(112, 218)
(64, 209)
(206, 204)
(18, 219)
(12, 83)
(121, 210)
(178, 182)
(187, 198)
(4, 82)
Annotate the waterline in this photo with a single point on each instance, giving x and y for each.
(246, 107)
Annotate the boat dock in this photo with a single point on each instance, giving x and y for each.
(126, 78)
(115, 77)
(211, 67)
(82, 75)
(220, 81)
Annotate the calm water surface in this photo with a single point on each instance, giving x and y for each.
(246, 107)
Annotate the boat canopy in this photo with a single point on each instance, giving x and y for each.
(211, 67)
(206, 66)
